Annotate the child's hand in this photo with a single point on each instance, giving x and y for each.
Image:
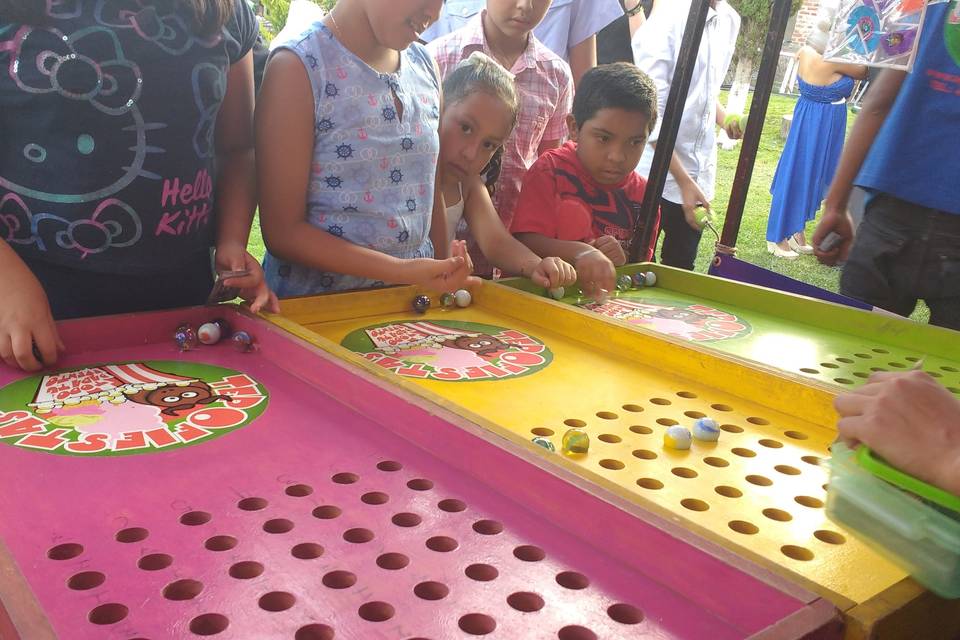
(25, 321)
(551, 273)
(611, 248)
(439, 275)
(839, 222)
(595, 271)
(253, 286)
(693, 197)
(458, 248)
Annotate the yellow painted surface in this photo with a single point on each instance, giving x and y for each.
(759, 490)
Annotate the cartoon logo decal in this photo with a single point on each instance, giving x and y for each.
(695, 322)
(450, 351)
(127, 408)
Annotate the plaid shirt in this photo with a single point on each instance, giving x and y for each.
(545, 85)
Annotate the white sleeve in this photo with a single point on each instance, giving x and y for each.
(589, 17)
(655, 53)
(453, 15)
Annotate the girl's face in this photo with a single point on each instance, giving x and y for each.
(398, 23)
(517, 18)
(471, 130)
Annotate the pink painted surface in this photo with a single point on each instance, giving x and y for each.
(474, 504)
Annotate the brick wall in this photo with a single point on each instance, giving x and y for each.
(804, 21)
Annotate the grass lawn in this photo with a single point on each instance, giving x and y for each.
(751, 243)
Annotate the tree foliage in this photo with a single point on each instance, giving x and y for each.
(755, 16)
(275, 11)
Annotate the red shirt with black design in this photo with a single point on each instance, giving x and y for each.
(561, 200)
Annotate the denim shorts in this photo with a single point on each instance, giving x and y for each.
(902, 253)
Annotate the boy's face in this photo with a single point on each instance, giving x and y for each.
(471, 130)
(517, 18)
(610, 143)
(402, 25)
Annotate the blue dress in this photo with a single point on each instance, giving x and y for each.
(809, 158)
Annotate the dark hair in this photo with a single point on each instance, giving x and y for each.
(209, 16)
(619, 85)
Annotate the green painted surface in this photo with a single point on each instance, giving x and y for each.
(830, 343)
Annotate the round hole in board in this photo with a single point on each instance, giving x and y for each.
(487, 527)
(481, 572)
(721, 407)
(155, 561)
(572, 580)
(650, 483)
(641, 429)
(878, 350)
(477, 624)
(315, 631)
(612, 465)
(731, 428)
(744, 527)
(252, 504)
(787, 470)
(696, 415)
(376, 611)
(452, 505)
(877, 369)
(245, 570)
(663, 402)
(760, 481)
(797, 553)
(529, 553)
(728, 492)
(716, 462)
(862, 356)
(812, 372)
(689, 395)
(935, 374)
(298, 490)
(845, 360)
(829, 365)
(812, 460)
(86, 580)
(576, 424)
(953, 389)
(830, 537)
(392, 561)
(65, 551)
(278, 525)
(442, 544)
(694, 505)
(195, 518)
(430, 590)
(777, 514)
(220, 543)
(542, 431)
(345, 477)
(307, 551)
(406, 519)
(276, 601)
(327, 512)
(525, 601)
(796, 435)
(420, 484)
(684, 472)
(339, 579)
(758, 421)
(625, 613)
(607, 415)
(770, 444)
(843, 380)
(666, 422)
(897, 365)
(132, 534)
(358, 535)
(861, 374)
(110, 613)
(209, 624)
(576, 632)
(632, 408)
(645, 454)
(950, 369)
(609, 438)
(184, 589)
(743, 452)
(809, 501)
(389, 465)
(374, 498)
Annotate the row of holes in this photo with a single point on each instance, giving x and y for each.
(611, 438)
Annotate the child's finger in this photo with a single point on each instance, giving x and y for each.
(46, 342)
(6, 352)
(22, 344)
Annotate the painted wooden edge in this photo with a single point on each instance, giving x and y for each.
(21, 616)
(905, 611)
(819, 620)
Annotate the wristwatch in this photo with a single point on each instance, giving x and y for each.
(632, 12)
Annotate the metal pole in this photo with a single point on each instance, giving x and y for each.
(670, 125)
(758, 112)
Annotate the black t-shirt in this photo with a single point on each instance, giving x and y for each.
(613, 41)
(107, 120)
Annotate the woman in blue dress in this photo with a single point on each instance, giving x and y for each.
(812, 151)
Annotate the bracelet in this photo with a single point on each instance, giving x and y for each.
(632, 12)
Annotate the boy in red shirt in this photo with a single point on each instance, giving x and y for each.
(580, 202)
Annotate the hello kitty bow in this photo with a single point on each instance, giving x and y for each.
(88, 65)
